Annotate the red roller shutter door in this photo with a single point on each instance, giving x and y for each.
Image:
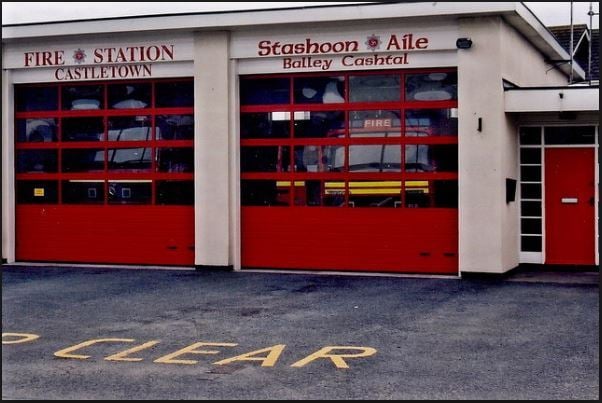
(350, 171)
(104, 172)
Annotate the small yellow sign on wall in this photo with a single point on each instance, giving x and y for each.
(38, 192)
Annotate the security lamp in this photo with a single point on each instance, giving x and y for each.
(463, 43)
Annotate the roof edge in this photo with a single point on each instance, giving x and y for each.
(516, 13)
(543, 39)
(250, 18)
(188, 13)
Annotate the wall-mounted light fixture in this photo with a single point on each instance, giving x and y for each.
(463, 43)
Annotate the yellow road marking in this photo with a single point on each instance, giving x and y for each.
(122, 356)
(24, 338)
(268, 361)
(266, 356)
(65, 353)
(192, 349)
(337, 359)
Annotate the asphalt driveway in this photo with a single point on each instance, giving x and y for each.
(144, 334)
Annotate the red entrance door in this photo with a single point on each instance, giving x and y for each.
(569, 182)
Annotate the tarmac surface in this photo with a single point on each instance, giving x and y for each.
(249, 335)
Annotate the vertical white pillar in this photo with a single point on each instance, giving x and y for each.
(211, 150)
(235, 209)
(481, 167)
(8, 171)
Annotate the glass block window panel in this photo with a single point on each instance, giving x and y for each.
(265, 159)
(83, 192)
(319, 90)
(530, 226)
(530, 243)
(431, 158)
(425, 193)
(556, 135)
(36, 192)
(319, 193)
(37, 161)
(375, 123)
(265, 193)
(130, 128)
(175, 192)
(437, 86)
(375, 158)
(130, 96)
(129, 159)
(530, 173)
(317, 124)
(530, 135)
(374, 88)
(83, 129)
(43, 130)
(318, 158)
(175, 127)
(378, 194)
(83, 160)
(82, 97)
(530, 156)
(531, 208)
(174, 94)
(431, 122)
(34, 98)
(130, 192)
(173, 160)
(530, 190)
(265, 91)
(262, 125)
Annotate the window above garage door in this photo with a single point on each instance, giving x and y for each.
(105, 143)
(353, 139)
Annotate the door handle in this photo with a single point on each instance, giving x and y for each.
(569, 200)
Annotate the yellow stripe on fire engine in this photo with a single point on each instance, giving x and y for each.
(281, 184)
(366, 188)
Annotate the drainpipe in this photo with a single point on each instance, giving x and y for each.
(571, 48)
(591, 38)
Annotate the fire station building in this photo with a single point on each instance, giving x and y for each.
(424, 138)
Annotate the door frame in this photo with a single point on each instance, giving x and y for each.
(540, 257)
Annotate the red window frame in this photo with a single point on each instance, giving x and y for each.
(105, 113)
(346, 107)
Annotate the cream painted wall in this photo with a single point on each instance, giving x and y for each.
(489, 227)
(523, 65)
(510, 230)
(212, 131)
(480, 95)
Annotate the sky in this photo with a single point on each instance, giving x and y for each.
(550, 13)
